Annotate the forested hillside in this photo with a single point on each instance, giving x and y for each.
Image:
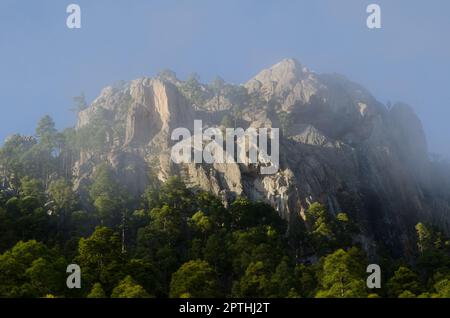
(174, 241)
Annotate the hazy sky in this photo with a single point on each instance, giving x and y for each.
(43, 64)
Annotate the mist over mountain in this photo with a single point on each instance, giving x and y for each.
(354, 187)
(111, 181)
(339, 146)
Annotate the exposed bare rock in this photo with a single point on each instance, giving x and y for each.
(340, 146)
(157, 108)
(288, 80)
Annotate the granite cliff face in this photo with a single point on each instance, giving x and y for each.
(339, 146)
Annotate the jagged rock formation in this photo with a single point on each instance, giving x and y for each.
(339, 146)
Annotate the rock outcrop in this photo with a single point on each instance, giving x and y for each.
(339, 146)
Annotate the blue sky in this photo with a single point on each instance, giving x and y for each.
(43, 64)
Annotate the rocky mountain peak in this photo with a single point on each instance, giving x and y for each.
(340, 146)
(287, 71)
(288, 81)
